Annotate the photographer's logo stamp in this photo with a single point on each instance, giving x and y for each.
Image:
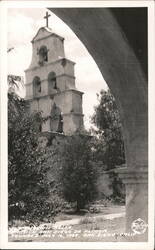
(139, 226)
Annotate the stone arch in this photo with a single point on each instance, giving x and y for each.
(52, 81)
(115, 56)
(36, 86)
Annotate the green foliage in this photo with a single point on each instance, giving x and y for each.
(29, 189)
(109, 146)
(77, 175)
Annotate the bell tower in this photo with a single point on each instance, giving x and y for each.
(50, 84)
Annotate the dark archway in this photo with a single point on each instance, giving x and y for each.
(52, 82)
(56, 119)
(36, 86)
(112, 44)
(43, 55)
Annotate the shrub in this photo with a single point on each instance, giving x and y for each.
(77, 172)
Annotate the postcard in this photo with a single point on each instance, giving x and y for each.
(77, 127)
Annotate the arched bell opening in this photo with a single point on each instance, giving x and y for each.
(36, 86)
(52, 82)
(43, 55)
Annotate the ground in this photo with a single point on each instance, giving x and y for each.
(104, 224)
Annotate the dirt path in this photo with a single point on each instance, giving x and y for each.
(77, 221)
(66, 226)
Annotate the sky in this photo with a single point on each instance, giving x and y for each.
(23, 24)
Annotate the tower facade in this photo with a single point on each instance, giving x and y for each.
(50, 84)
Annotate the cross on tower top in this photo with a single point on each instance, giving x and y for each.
(46, 17)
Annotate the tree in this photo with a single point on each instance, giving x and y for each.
(29, 189)
(109, 140)
(77, 173)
